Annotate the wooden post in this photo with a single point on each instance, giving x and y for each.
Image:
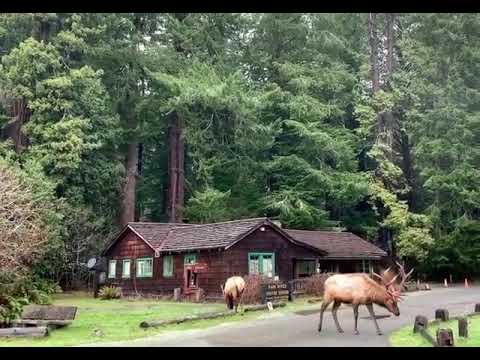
(477, 307)
(198, 295)
(421, 322)
(291, 289)
(96, 285)
(177, 292)
(463, 327)
(441, 314)
(445, 337)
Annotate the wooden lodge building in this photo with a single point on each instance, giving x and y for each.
(156, 258)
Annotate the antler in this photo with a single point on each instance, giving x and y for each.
(387, 284)
(402, 273)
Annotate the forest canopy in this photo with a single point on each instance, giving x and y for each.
(368, 123)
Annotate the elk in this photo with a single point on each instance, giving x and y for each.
(360, 289)
(233, 291)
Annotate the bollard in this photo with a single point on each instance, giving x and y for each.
(463, 327)
(445, 283)
(445, 337)
(441, 314)
(421, 323)
(466, 283)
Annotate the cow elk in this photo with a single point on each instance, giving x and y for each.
(233, 291)
(360, 289)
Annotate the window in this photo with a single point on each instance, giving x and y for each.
(144, 267)
(112, 269)
(261, 263)
(305, 268)
(168, 266)
(126, 269)
(366, 266)
(190, 259)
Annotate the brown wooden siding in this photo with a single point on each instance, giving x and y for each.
(221, 264)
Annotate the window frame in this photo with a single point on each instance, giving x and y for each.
(150, 275)
(129, 268)
(190, 255)
(114, 275)
(261, 256)
(170, 275)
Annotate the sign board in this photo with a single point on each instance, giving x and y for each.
(200, 267)
(274, 292)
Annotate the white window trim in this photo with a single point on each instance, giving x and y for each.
(114, 275)
(137, 268)
(163, 266)
(129, 269)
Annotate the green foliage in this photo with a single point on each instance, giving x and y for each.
(207, 206)
(279, 120)
(109, 293)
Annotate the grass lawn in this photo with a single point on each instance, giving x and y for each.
(120, 319)
(405, 337)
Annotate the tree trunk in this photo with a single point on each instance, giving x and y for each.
(13, 129)
(389, 45)
(373, 42)
(176, 164)
(128, 199)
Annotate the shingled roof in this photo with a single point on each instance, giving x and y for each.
(339, 245)
(172, 237)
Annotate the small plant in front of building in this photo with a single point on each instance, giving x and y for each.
(110, 292)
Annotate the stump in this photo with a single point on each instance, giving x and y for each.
(199, 295)
(421, 323)
(445, 337)
(177, 293)
(441, 314)
(463, 327)
(477, 307)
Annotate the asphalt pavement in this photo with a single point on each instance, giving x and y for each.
(300, 329)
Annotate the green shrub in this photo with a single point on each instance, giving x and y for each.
(110, 292)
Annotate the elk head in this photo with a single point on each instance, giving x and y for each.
(391, 301)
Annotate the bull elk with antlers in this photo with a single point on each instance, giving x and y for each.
(360, 289)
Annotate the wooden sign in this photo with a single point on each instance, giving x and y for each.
(200, 267)
(274, 292)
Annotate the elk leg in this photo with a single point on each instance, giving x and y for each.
(372, 314)
(325, 304)
(355, 315)
(336, 305)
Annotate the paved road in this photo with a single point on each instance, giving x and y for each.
(301, 329)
